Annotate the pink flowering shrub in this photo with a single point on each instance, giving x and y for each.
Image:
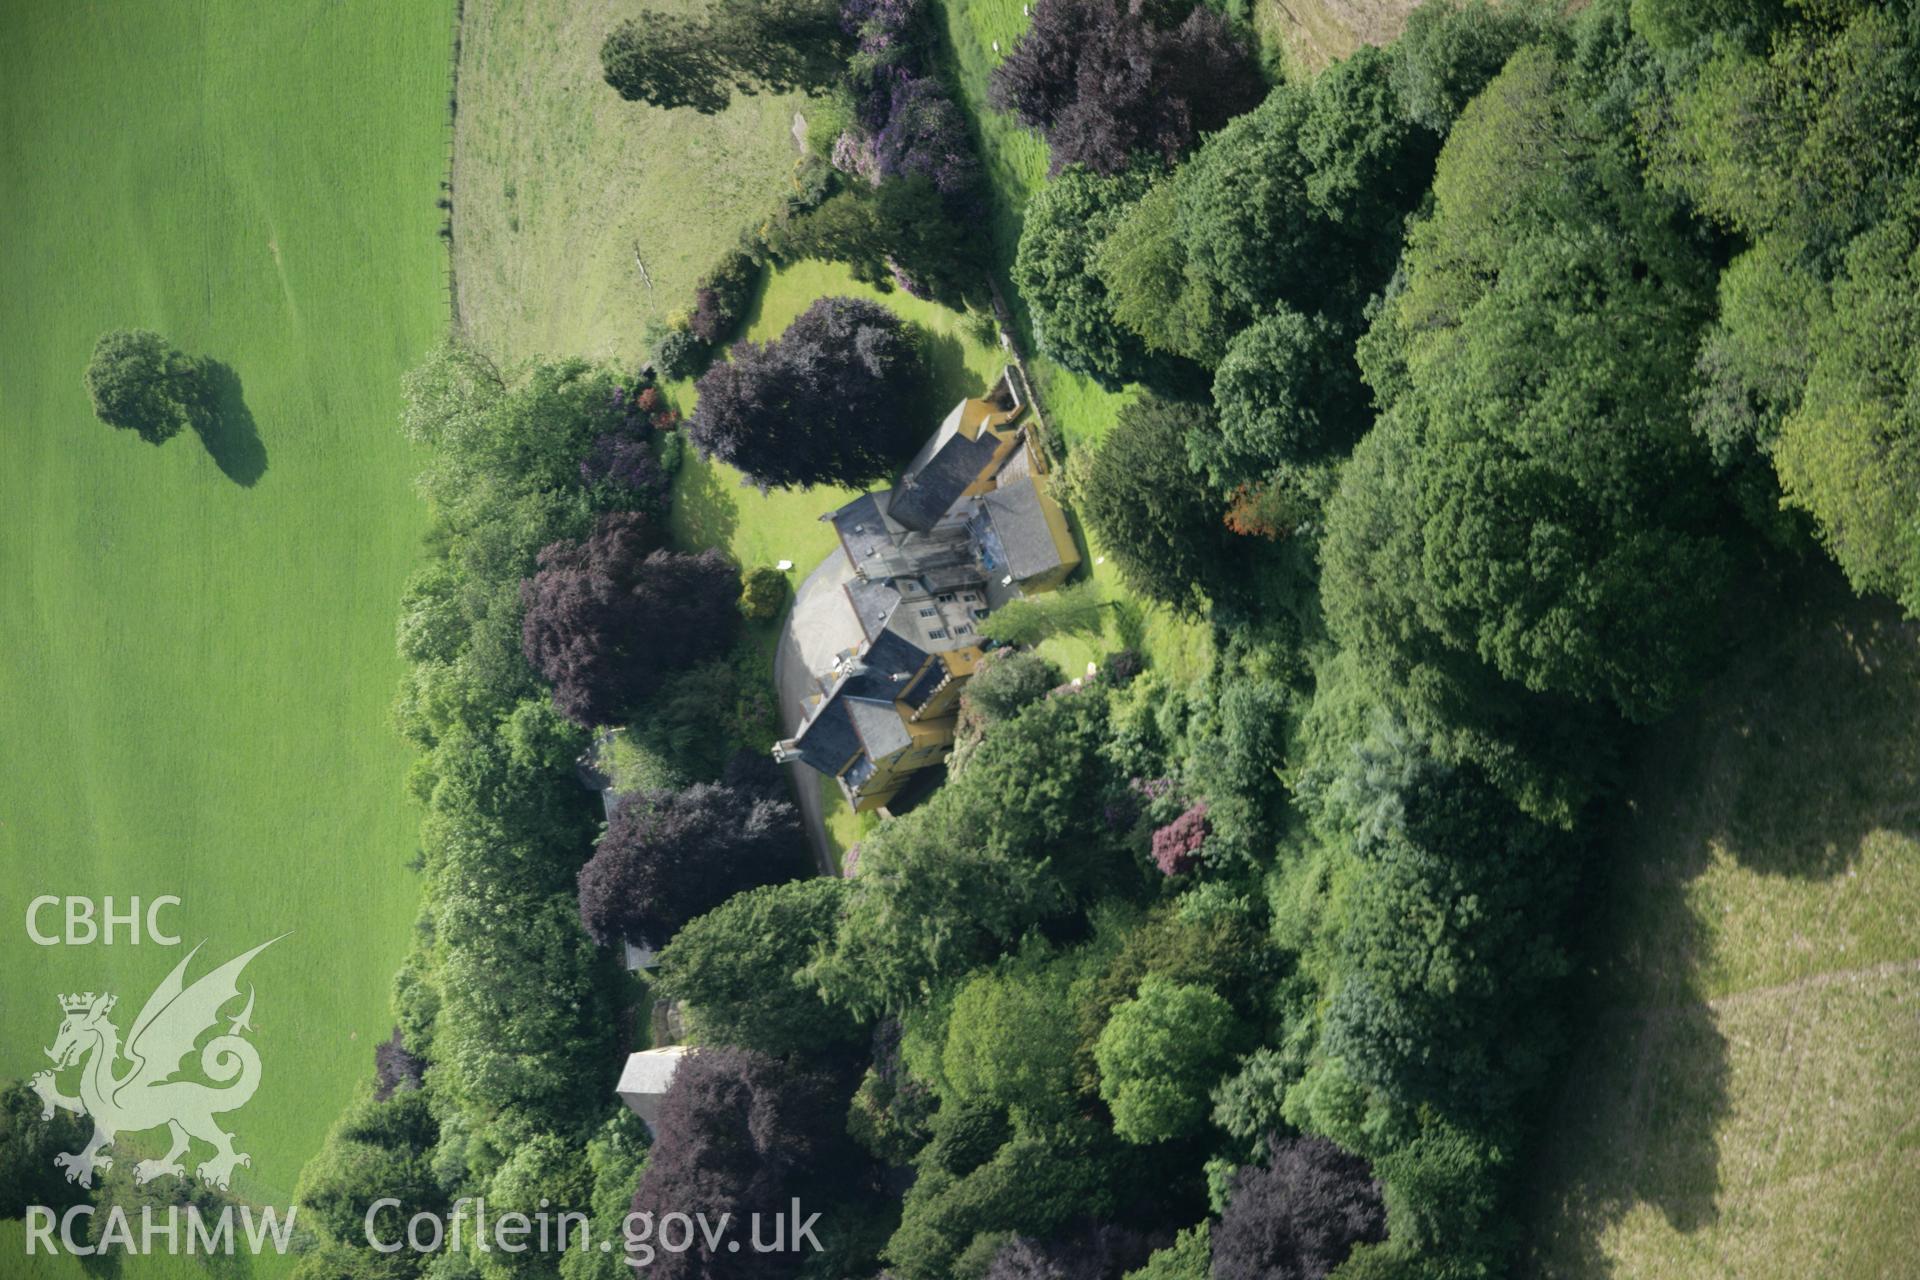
(1177, 846)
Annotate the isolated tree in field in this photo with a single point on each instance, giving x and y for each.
(736, 968)
(667, 857)
(607, 617)
(828, 402)
(141, 383)
(739, 1133)
(1299, 1216)
(1103, 80)
(670, 60)
(1159, 1054)
(1159, 520)
(673, 60)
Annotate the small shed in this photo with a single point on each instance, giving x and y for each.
(644, 1081)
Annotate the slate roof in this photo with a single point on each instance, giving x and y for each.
(862, 528)
(873, 603)
(834, 733)
(827, 740)
(932, 486)
(879, 727)
(1020, 530)
(889, 655)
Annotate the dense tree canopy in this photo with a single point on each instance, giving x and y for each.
(736, 968)
(823, 404)
(668, 857)
(28, 1144)
(1450, 948)
(1808, 150)
(1532, 515)
(606, 618)
(1160, 1054)
(1159, 521)
(1014, 839)
(1298, 202)
(1299, 1216)
(1287, 393)
(1098, 1251)
(1448, 52)
(1065, 223)
(374, 1151)
(1102, 80)
(739, 1133)
(1294, 876)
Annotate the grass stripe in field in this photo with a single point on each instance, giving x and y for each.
(196, 652)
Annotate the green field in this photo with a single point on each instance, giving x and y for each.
(558, 185)
(1741, 1104)
(198, 638)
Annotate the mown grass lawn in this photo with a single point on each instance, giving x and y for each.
(198, 645)
(1741, 1098)
(710, 505)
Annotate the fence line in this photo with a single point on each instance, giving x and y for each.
(447, 231)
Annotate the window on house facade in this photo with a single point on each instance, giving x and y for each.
(937, 633)
(963, 630)
(927, 613)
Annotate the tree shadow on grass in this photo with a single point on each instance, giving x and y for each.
(706, 512)
(949, 380)
(1802, 750)
(225, 425)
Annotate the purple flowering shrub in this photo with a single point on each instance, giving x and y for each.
(1178, 845)
(906, 123)
(626, 461)
(721, 298)
(924, 133)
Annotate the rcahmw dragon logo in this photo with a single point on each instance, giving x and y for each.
(144, 1095)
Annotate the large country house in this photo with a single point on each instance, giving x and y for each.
(969, 527)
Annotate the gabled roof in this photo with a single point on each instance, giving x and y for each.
(1021, 532)
(827, 741)
(880, 727)
(843, 726)
(650, 1071)
(862, 527)
(873, 603)
(941, 472)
